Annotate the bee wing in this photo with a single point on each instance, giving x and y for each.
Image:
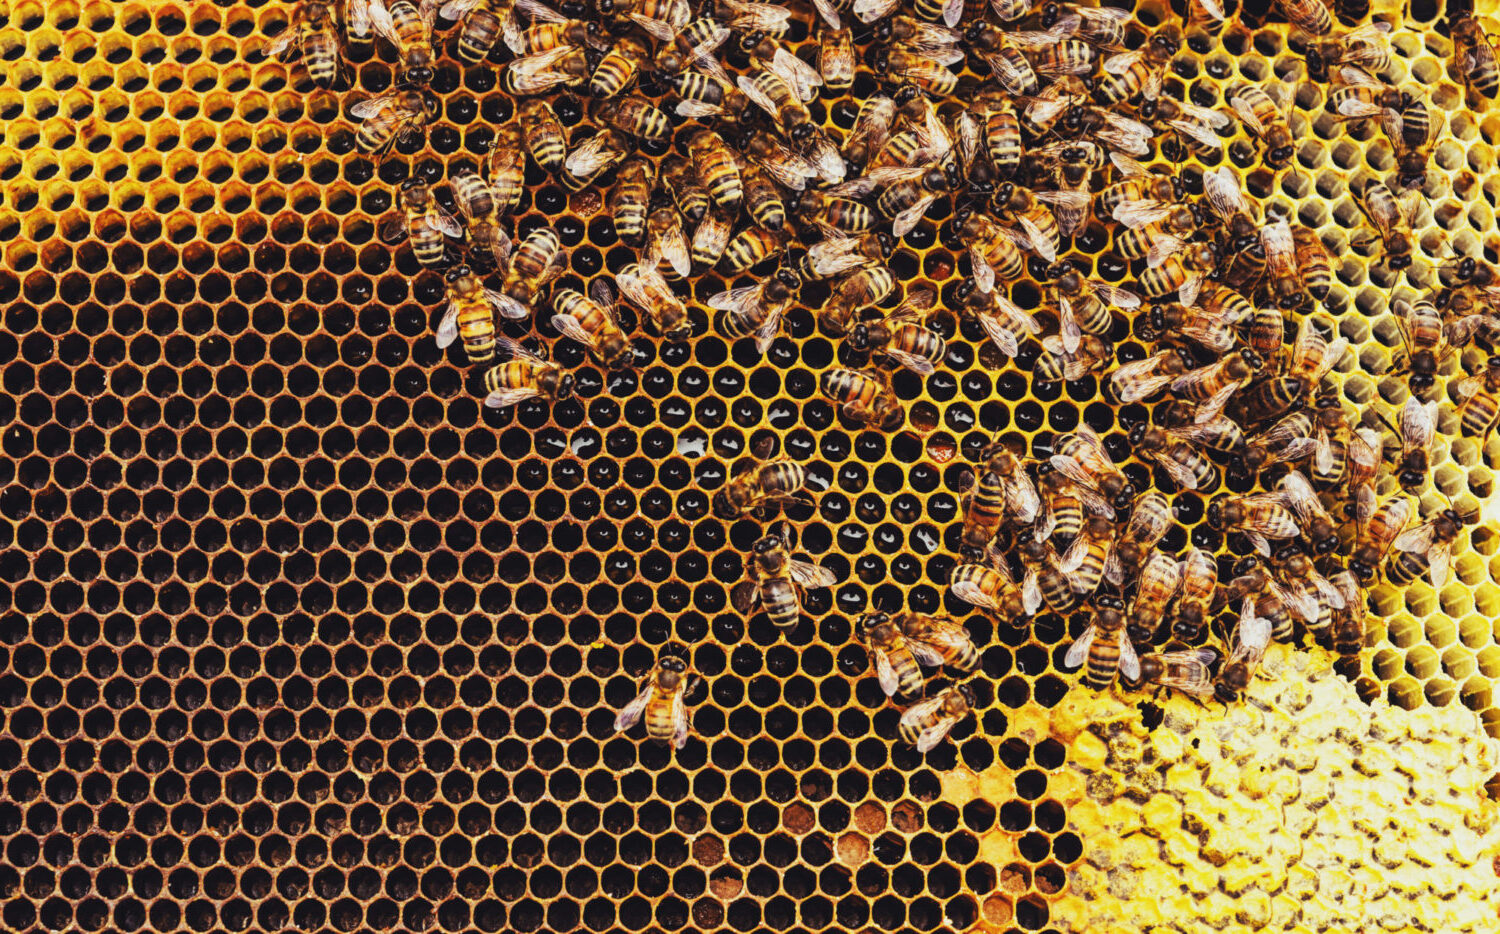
(1416, 424)
(1014, 316)
(885, 672)
(630, 715)
(446, 223)
(1130, 663)
(758, 97)
(811, 575)
(825, 159)
(1163, 248)
(969, 593)
(921, 710)
(1138, 379)
(671, 244)
(1121, 62)
(738, 300)
(1417, 540)
(509, 307)
(1120, 298)
(1031, 592)
(1299, 601)
(380, 18)
(868, 11)
(801, 77)
(745, 596)
(1067, 322)
(919, 365)
(1113, 569)
(1253, 635)
(984, 273)
(1045, 245)
(758, 17)
(591, 155)
(534, 9)
(1023, 498)
(928, 739)
(679, 717)
(516, 350)
(447, 329)
(1078, 549)
(1299, 496)
(788, 168)
(1188, 293)
(394, 228)
(1078, 652)
(828, 9)
(501, 398)
(568, 326)
(1440, 562)
(285, 45)
(1246, 113)
(1200, 132)
(712, 235)
(1197, 681)
(909, 218)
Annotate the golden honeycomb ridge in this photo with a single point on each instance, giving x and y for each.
(296, 633)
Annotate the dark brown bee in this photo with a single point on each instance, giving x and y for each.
(1207, 382)
(1419, 132)
(1314, 264)
(1331, 452)
(1182, 273)
(1056, 363)
(1085, 558)
(716, 168)
(1104, 649)
(903, 338)
(1417, 429)
(1225, 193)
(762, 198)
(1200, 575)
(753, 246)
(636, 116)
(548, 31)
(478, 203)
(1376, 533)
(864, 396)
(507, 167)
(537, 260)
(1289, 440)
(629, 200)
(1347, 629)
(1474, 55)
(645, 288)
(756, 310)
(314, 35)
(1366, 47)
(1426, 342)
(1260, 517)
(1156, 585)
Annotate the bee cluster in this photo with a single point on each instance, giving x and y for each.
(712, 166)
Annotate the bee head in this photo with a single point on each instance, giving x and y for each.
(964, 289)
(1051, 13)
(1281, 155)
(788, 278)
(1412, 479)
(673, 663)
(879, 59)
(880, 31)
(1139, 433)
(1215, 514)
(1109, 601)
(967, 693)
(872, 619)
(1398, 260)
(420, 74)
(604, 7)
(565, 387)
(457, 273)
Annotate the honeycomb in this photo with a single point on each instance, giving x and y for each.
(297, 633)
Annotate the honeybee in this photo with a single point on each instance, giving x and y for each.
(1080, 457)
(424, 220)
(939, 640)
(1182, 273)
(313, 34)
(756, 310)
(711, 238)
(543, 134)
(662, 19)
(1266, 117)
(1280, 249)
(1186, 670)
(1258, 516)
(548, 30)
(778, 480)
(1002, 493)
(644, 287)
(478, 203)
(541, 72)
(629, 200)
(1149, 521)
(1314, 264)
(1473, 55)
(618, 68)
(1392, 219)
(1302, 589)
(1364, 458)
(1426, 549)
(1331, 451)
(535, 263)
(871, 130)
(1002, 136)
(902, 337)
(1226, 198)
(1137, 184)
(1204, 423)
(1252, 635)
(1200, 576)
(753, 246)
(864, 396)
(1084, 560)
(890, 654)
(392, 119)
(1140, 379)
(836, 58)
(1104, 649)
(1044, 579)
(679, 179)
(636, 116)
(1480, 399)
(929, 722)
(470, 314)
(769, 91)
(1425, 340)
(1267, 398)
(840, 254)
(407, 25)
(1101, 26)
(992, 248)
(1347, 628)
(1210, 324)
(706, 95)
(1140, 71)
(919, 69)
(854, 293)
(1157, 585)
(1365, 47)
(762, 198)
(988, 585)
(593, 321)
(665, 239)
(1417, 429)
(593, 157)
(662, 703)
(716, 168)
(358, 29)
(481, 25)
(1289, 440)
(775, 576)
(1205, 383)
(1081, 304)
(507, 168)
(1375, 534)
(1055, 362)
(525, 376)
(1317, 525)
